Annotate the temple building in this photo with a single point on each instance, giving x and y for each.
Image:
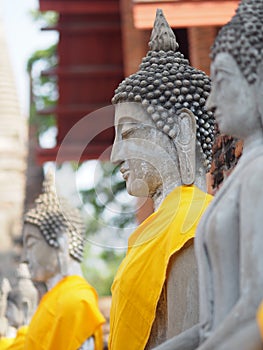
(100, 42)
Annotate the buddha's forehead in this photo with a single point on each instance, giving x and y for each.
(31, 230)
(132, 112)
(225, 62)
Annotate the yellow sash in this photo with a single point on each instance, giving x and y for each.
(66, 317)
(19, 341)
(141, 275)
(260, 319)
(5, 343)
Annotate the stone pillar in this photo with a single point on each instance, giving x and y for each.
(134, 41)
(200, 40)
(13, 135)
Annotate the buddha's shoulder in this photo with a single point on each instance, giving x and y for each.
(75, 305)
(77, 295)
(252, 173)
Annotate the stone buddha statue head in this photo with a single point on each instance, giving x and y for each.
(237, 73)
(53, 235)
(163, 132)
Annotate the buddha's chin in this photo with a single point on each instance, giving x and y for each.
(137, 188)
(35, 277)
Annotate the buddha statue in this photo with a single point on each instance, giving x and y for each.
(28, 293)
(68, 316)
(229, 237)
(21, 302)
(14, 312)
(22, 299)
(5, 339)
(4, 290)
(163, 143)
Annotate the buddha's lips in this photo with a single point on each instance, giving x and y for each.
(125, 172)
(218, 117)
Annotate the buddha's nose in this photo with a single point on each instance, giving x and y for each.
(210, 104)
(116, 152)
(23, 258)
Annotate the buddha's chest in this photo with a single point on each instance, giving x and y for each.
(221, 227)
(219, 234)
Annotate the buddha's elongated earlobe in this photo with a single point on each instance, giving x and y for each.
(259, 91)
(62, 256)
(185, 143)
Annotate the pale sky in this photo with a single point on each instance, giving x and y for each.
(23, 37)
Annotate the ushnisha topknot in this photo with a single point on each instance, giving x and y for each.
(242, 38)
(166, 83)
(54, 217)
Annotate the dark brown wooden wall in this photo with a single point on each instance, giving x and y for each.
(90, 68)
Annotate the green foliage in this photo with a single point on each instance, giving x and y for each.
(100, 268)
(111, 214)
(47, 56)
(108, 189)
(47, 18)
(44, 92)
(104, 196)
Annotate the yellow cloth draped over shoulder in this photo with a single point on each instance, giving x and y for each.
(66, 317)
(260, 319)
(19, 341)
(140, 278)
(5, 343)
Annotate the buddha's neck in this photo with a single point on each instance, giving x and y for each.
(73, 268)
(200, 174)
(162, 192)
(253, 141)
(54, 280)
(171, 182)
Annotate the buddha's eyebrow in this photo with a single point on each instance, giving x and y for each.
(218, 70)
(32, 235)
(222, 69)
(128, 127)
(128, 121)
(123, 121)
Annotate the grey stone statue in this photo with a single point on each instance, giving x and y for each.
(229, 240)
(4, 290)
(53, 242)
(22, 299)
(163, 141)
